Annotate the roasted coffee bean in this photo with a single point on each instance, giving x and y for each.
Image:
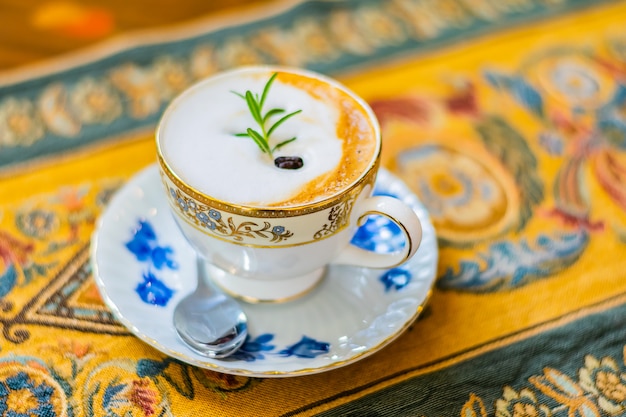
(289, 162)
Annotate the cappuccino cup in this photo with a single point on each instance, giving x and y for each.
(270, 217)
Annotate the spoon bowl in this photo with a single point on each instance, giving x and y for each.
(209, 321)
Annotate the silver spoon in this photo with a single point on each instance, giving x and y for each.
(210, 322)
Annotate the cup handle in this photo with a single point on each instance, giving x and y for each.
(399, 213)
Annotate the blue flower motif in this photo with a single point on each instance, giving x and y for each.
(279, 230)
(153, 291)
(306, 348)
(396, 278)
(379, 234)
(183, 204)
(206, 219)
(145, 247)
(142, 241)
(42, 393)
(173, 194)
(252, 349)
(145, 231)
(161, 256)
(210, 225)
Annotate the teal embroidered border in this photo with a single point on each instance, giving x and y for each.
(127, 90)
(575, 369)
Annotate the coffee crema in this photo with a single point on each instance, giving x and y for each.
(337, 138)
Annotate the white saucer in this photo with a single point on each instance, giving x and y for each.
(351, 314)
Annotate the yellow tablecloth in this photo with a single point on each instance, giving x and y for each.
(507, 119)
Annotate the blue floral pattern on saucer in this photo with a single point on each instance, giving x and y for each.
(143, 266)
(396, 279)
(257, 348)
(144, 245)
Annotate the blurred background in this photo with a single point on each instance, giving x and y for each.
(32, 30)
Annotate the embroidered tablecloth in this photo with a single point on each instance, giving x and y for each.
(507, 119)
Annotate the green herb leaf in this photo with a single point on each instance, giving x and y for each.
(267, 89)
(238, 94)
(260, 140)
(281, 144)
(271, 113)
(255, 105)
(281, 121)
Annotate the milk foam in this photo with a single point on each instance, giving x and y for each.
(198, 142)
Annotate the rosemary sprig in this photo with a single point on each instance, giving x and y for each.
(255, 105)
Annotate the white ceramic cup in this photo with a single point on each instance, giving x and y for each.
(279, 253)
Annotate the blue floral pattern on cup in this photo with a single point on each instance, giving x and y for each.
(379, 234)
(226, 226)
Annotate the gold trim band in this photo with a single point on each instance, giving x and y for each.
(278, 212)
(266, 228)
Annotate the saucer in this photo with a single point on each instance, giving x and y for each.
(143, 267)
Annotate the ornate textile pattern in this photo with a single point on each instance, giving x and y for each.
(99, 100)
(575, 98)
(46, 252)
(506, 118)
(579, 377)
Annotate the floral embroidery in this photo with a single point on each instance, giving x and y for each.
(578, 97)
(19, 123)
(599, 390)
(29, 388)
(143, 396)
(607, 382)
(510, 265)
(95, 101)
(38, 223)
(454, 187)
(20, 395)
(523, 403)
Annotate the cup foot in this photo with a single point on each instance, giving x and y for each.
(264, 291)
